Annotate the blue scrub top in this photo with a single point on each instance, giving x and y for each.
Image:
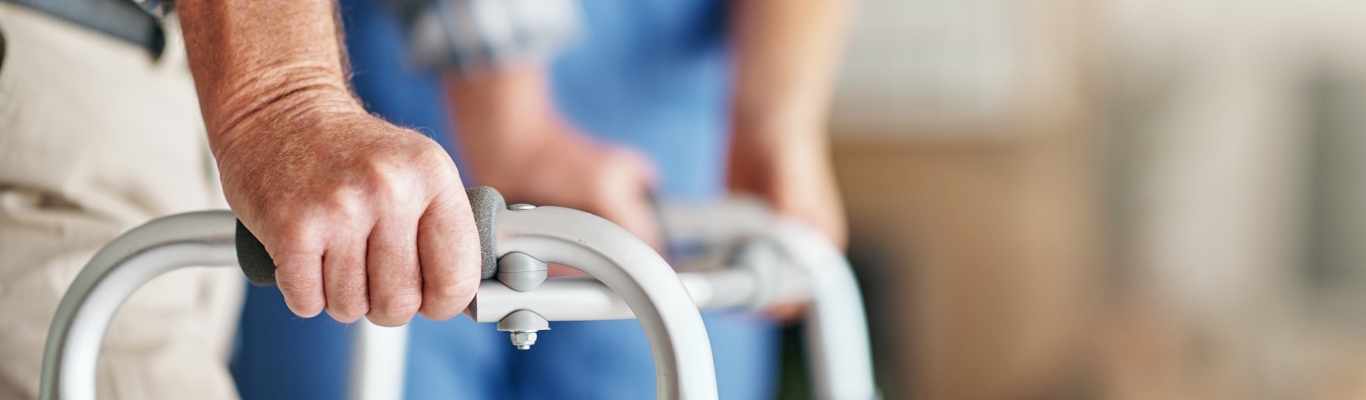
(652, 75)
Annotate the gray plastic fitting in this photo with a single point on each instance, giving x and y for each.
(522, 326)
(521, 272)
(762, 260)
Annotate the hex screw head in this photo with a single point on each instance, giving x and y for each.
(523, 339)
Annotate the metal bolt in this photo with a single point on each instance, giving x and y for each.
(523, 339)
(522, 326)
(521, 207)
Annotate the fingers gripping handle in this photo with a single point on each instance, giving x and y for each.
(484, 201)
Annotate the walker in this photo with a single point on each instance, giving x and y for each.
(743, 256)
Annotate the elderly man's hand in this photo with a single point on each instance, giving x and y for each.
(362, 218)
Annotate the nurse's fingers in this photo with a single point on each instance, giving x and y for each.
(620, 193)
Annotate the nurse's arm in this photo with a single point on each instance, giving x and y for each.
(516, 140)
(787, 53)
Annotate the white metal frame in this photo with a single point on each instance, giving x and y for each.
(673, 325)
(628, 281)
(810, 270)
(837, 349)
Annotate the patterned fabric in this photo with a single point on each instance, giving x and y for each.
(474, 35)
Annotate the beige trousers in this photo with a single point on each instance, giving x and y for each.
(96, 137)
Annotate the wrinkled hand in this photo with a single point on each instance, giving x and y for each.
(362, 218)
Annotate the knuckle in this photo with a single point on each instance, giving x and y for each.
(383, 171)
(393, 318)
(389, 321)
(395, 306)
(344, 203)
(292, 253)
(387, 180)
(432, 153)
(347, 311)
(296, 267)
(305, 305)
(457, 291)
(435, 163)
(291, 235)
(440, 314)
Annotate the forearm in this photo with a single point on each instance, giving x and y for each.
(516, 140)
(787, 53)
(501, 110)
(261, 64)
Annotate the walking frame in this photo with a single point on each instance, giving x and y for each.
(743, 256)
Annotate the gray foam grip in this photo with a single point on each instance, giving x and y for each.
(252, 256)
(485, 202)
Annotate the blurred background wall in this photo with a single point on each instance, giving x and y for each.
(1109, 199)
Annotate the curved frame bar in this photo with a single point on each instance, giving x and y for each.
(836, 326)
(117, 270)
(678, 339)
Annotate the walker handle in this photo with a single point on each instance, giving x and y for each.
(484, 201)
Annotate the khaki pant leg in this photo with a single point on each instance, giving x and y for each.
(96, 138)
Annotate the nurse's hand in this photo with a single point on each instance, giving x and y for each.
(786, 57)
(517, 142)
(792, 171)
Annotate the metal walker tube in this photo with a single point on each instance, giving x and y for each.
(810, 270)
(836, 327)
(120, 268)
(673, 325)
(678, 339)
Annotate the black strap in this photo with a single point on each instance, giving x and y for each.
(121, 19)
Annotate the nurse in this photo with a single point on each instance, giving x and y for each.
(592, 106)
